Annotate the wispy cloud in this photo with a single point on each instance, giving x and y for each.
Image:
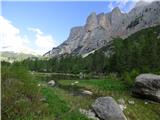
(12, 40)
(43, 42)
(124, 5)
(38, 31)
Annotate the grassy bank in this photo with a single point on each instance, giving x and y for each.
(141, 110)
(26, 96)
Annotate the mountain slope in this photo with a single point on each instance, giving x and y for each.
(140, 51)
(12, 56)
(100, 29)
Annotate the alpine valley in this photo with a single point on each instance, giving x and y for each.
(108, 69)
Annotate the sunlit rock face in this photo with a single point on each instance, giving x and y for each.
(100, 29)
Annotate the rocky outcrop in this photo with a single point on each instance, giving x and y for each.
(147, 86)
(106, 108)
(100, 29)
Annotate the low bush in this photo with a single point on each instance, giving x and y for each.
(129, 77)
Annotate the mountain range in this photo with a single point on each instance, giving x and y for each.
(101, 29)
(10, 56)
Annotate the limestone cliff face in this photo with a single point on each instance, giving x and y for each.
(102, 28)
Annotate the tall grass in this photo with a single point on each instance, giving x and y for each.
(20, 94)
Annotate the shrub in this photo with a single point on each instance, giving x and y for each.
(129, 77)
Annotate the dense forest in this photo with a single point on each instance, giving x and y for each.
(139, 52)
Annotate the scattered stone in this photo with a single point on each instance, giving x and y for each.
(147, 86)
(122, 104)
(81, 75)
(42, 85)
(123, 107)
(151, 102)
(131, 102)
(87, 92)
(76, 82)
(106, 108)
(89, 113)
(51, 83)
(158, 37)
(145, 102)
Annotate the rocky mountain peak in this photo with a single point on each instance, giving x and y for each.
(115, 16)
(103, 21)
(100, 29)
(92, 21)
(116, 10)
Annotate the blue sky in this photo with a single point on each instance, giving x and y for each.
(38, 22)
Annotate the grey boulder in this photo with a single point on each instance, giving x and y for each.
(147, 86)
(106, 108)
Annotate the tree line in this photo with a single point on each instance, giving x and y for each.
(140, 52)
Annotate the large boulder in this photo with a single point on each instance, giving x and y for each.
(147, 86)
(106, 108)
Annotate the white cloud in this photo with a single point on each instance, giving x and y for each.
(122, 4)
(131, 0)
(12, 40)
(111, 6)
(35, 30)
(43, 42)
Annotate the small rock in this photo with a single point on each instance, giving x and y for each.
(89, 113)
(122, 104)
(42, 85)
(158, 37)
(81, 75)
(76, 82)
(145, 102)
(51, 83)
(87, 92)
(131, 102)
(123, 107)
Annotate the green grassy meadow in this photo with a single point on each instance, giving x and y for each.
(26, 96)
(65, 105)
